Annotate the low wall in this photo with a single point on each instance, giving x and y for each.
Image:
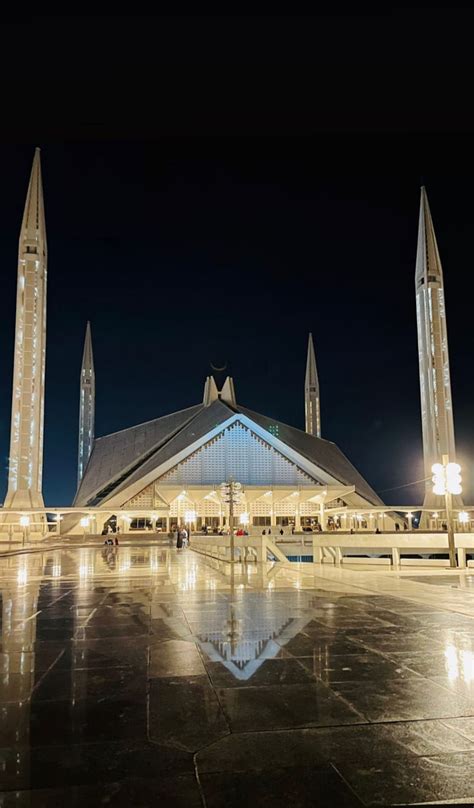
(335, 547)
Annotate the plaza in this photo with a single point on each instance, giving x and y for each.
(138, 675)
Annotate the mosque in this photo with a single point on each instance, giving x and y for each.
(169, 470)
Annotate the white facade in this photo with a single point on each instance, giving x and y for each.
(311, 394)
(86, 405)
(435, 382)
(27, 419)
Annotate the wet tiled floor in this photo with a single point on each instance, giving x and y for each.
(143, 677)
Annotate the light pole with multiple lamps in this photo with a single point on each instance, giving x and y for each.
(230, 492)
(446, 482)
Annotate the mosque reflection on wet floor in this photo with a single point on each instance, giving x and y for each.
(136, 674)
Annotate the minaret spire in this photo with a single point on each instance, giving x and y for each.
(86, 405)
(311, 394)
(27, 419)
(435, 384)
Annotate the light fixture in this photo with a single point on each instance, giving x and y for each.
(463, 517)
(24, 521)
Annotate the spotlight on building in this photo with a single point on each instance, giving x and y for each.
(463, 517)
(25, 521)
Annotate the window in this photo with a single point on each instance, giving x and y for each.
(262, 521)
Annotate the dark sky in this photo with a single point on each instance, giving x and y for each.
(196, 221)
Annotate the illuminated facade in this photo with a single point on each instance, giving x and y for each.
(435, 382)
(311, 394)
(26, 438)
(173, 467)
(86, 405)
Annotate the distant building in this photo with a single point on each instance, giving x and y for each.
(173, 466)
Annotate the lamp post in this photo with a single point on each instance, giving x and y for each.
(446, 482)
(231, 492)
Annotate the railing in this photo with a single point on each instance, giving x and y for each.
(339, 547)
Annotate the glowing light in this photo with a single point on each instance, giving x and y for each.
(244, 518)
(24, 521)
(22, 576)
(85, 521)
(453, 477)
(446, 479)
(452, 662)
(463, 517)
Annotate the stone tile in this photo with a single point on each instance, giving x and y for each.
(95, 683)
(302, 645)
(185, 712)
(400, 642)
(275, 707)
(298, 787)
(315, 747)
(179, 791)
(465, 726)
(46, 723)
(175, 658)
(402, 700)
(87, 764)
(365, 667)
(413, 780)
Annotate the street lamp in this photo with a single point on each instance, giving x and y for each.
(446, 482)
(230, 492)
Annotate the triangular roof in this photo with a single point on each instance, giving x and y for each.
(322, 453)
(120, 459)
(115, 454)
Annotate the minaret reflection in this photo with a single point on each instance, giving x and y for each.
(20, 585)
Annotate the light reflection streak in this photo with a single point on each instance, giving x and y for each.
(460, 664)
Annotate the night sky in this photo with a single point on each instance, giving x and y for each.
(190, 233)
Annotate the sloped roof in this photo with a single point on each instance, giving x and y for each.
(113, 454)
(322, 453)
(124, 457)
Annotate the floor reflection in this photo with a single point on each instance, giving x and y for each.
(124, 662)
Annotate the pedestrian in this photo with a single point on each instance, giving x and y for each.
(179, 540)
(184, 534)
(116, 540)
(264, 532)
(281, 531)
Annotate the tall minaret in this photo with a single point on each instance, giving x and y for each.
(26, 438)
(311, 394)
(86, 405)
(435, 383)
